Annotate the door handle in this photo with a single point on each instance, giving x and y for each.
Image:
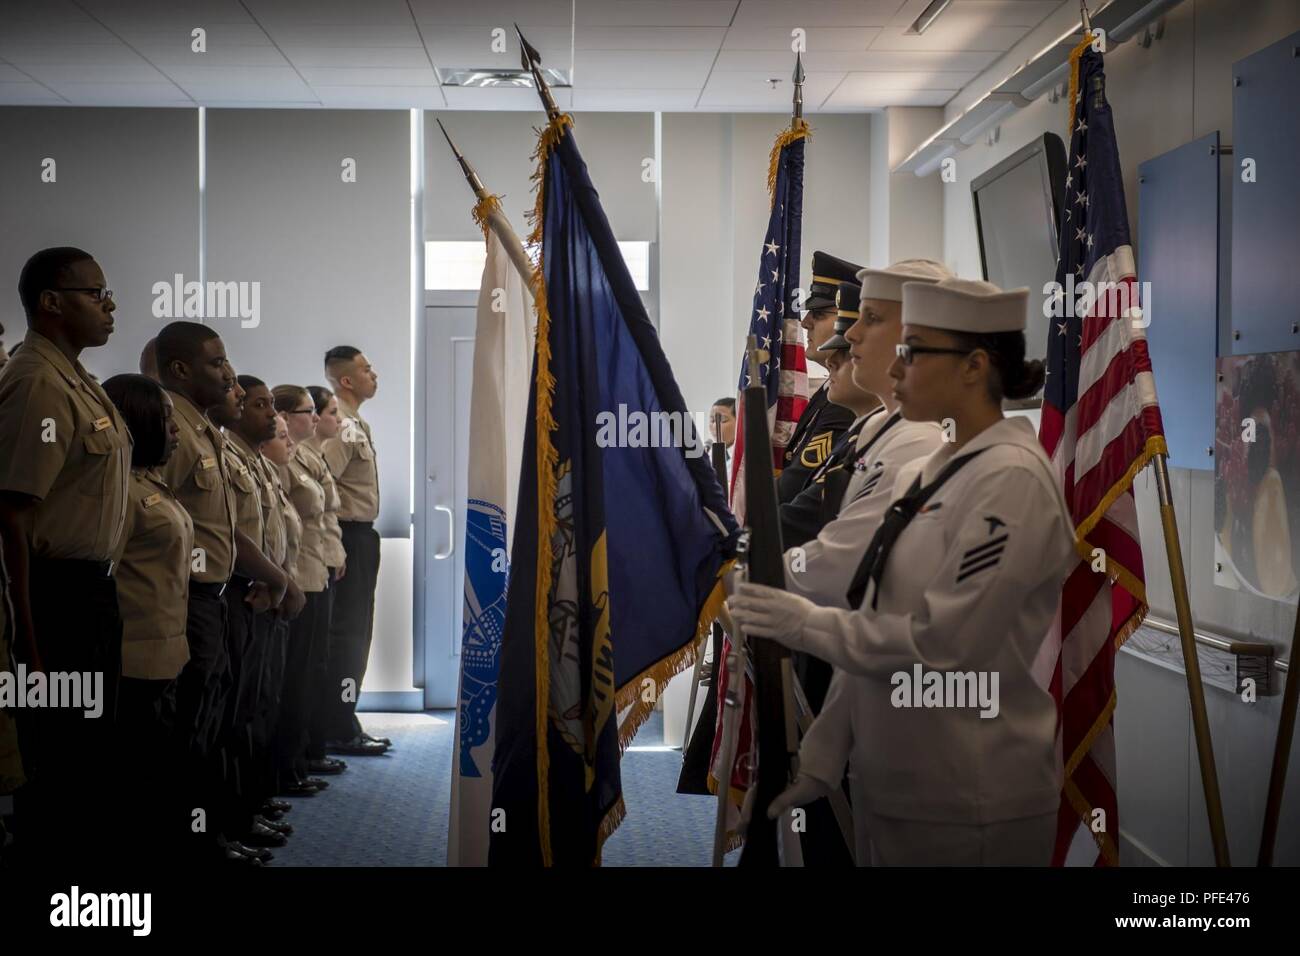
(451, 533)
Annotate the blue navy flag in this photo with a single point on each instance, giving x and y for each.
(619, 543)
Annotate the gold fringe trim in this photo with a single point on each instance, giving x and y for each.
(483, 209)
(1091, 736)
(1155, 445)
(630, 694)
(607, 827)
(547, 462)
(783, 139)
(1075, 54)
(1084, 809)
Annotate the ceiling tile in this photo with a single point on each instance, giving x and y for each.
(339, 35)
(474, 46)
(866, 99)
(894, 80)
(380, 97)
(369, 76)
(751, 90)
(112, 53)
(647, 38)
(356, 12)
(185, 14)
(668, 13)
(955, 36)
(247, 85)
(816, 13)
(645, 69)
(529, 14)
(122, 94)
(816, 39)
(28, 94)
(648, 100)
(139, 72)
(395, 57)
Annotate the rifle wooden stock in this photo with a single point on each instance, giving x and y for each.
(765, 567)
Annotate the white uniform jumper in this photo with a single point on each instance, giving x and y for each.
(822, 569)
(971, 585)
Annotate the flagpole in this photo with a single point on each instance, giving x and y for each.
(1192, 665)
(1281, 753)
(495, 218)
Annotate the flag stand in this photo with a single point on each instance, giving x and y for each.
(1281, 754)
(1192, 665)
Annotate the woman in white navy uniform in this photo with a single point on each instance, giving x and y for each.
(822, 569)
(958, 589)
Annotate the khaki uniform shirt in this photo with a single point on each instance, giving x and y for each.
(64, 444)
(242, 464)
(351, 459)
(275, 508)
(333, 551)
(308, 498)
(153, 579)
(197, 474)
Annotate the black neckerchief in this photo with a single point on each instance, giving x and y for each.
(897, 518)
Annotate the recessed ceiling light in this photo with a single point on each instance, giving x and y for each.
(927, 17)
(495, 78)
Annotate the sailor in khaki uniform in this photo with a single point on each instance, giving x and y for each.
(322, 713)
(351, 458)
(153, 584)
(65, 457)
(303, 476)
(950, 734)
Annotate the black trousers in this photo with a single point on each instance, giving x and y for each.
(65, 810)
(320, 676)
(148, 807)
(295, 696)
(352, 626)
(248, 642)
(266, 716)
(202, 693)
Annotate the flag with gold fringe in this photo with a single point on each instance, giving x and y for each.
(622, 534)
(1101, 425)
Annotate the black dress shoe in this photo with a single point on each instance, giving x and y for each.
(327, 765)
(300, 788)
(376, 740)
(277, 826)
(266, 813)
(283, 806)
(232, 857)
(356, 747)
(317, 782)
(260, 835)
(257, 854)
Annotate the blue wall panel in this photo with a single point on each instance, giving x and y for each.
(1178, 253)
(1266, 213)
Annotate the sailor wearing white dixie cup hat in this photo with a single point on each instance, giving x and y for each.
(936, 700)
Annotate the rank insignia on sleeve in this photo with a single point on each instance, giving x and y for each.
(815, 452)
(981, 557)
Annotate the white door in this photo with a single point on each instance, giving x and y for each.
(443, 423)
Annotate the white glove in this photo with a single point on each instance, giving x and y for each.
(802, 792)
(762, 611)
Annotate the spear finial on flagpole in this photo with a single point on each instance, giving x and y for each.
(471, 176)
(532, 62)
(798, 77)
(1085, 16)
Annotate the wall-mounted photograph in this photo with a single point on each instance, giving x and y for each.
(1257, 474)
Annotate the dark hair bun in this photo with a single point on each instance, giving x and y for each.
(1025, 380)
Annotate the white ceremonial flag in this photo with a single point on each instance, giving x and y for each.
(503, 350)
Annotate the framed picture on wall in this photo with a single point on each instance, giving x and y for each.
(1257, 475)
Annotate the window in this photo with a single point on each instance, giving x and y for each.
(458, 264)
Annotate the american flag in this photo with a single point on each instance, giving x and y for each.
(774, 320)
(774, 324)
(1100, 425)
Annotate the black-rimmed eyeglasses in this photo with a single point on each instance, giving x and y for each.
(908, 353)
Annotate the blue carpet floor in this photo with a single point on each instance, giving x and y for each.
(392, 810)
